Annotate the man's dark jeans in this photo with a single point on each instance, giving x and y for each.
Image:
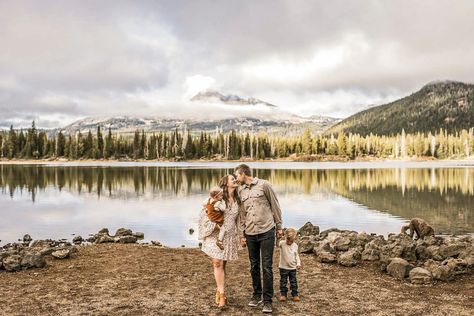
(284, 276)
(262, 245)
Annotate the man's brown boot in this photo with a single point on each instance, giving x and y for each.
(296, 298)
(282, 298)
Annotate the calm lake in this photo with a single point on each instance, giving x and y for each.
(163, 200)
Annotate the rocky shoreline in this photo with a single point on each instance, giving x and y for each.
(422, 261)
(27, 254)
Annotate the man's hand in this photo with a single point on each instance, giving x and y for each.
(243, 242)
(279, 233)
(298, 267)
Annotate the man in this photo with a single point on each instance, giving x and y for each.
(259, 221)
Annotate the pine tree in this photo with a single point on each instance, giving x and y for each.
(100, 144)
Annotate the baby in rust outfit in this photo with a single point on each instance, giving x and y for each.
(215, 208)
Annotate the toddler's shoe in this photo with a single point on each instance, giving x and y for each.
(220, 244)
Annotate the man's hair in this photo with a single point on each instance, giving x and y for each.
(215, 191)
(244, 169)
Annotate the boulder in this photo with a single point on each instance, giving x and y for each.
(363, 239)
(102, 239)
(370, 254)
(399, 268)
(12, 263)
(420, 276)
(126, 239)
(326, 257)
(343, 243)
(32, 260)
(322, 246)
(77, 240)
(306, 245)
(308, 229)
(326, 232)
(139, 235)
(399, 246)
(61, 254)
(104, 231)
(468, 256)
(451, 250)
(349, 258)
(123, 232)
(447, 270)
(156, 243)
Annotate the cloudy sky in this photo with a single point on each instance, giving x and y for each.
(65, 60)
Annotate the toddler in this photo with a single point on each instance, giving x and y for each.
(289, 263)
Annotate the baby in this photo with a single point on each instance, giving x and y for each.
(215, 208)
(289, 263)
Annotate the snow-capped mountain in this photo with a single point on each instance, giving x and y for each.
(229, 112)
(212, 96)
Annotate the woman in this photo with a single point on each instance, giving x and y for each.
(209, 234)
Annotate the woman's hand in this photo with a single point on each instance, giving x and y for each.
(243, 242)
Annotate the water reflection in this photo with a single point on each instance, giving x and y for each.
(376, 200)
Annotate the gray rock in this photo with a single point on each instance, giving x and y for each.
(32, 260)
(451, 250)
(363, 239)
(349, 258)
(77, 240)
(399, 268)
(12, 263)
(326, 257)
(102, 239)
(306, 245)
(126, 239)
(326, 232)
(344, 243)
(104, 231)
(61, 254)
(308, 229)
(139, 235)
(323, 246)
(123, 232)
(420, 276)
(156, 243)
(399, 246)
(468, 256)
(439, 272)
(370, 254)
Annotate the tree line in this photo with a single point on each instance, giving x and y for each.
(181, 144)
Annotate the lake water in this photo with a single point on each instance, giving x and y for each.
(163, 200)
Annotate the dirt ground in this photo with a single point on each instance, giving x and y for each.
(127, 279)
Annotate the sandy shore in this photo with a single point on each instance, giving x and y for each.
(127, 279)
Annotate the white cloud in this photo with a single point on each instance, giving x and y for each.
(196, 83)
(76, 59)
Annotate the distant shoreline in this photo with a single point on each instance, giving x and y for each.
(366, 162)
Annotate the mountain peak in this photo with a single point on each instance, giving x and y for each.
(213, 96)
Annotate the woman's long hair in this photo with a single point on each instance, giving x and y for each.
(223, 185)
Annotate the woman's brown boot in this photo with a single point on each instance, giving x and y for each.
(222, 300)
